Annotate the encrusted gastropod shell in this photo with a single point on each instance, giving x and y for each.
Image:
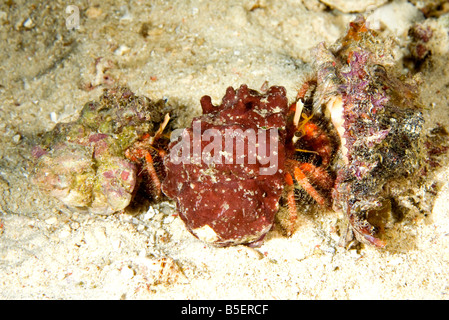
(83, 164)
(377, 116)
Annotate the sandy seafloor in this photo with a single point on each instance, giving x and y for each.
(182, 50)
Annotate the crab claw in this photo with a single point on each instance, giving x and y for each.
(375, 241)
(365, 231)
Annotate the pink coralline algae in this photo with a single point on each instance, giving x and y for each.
(226, 193)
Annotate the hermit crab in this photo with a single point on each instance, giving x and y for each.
(353, 133)
(378, 117)
(93, 163)
(230, 193)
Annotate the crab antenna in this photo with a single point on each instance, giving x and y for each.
(161, 129)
